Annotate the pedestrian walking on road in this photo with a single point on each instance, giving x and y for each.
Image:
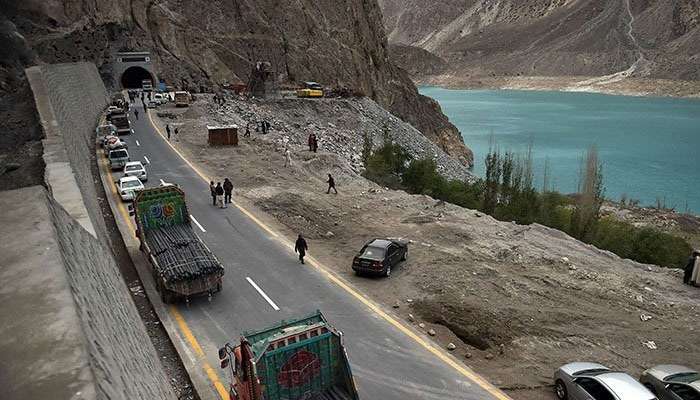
(692, 268)
(167, 130)
(301, 247)
(315, 143)
(228, 189)
(219, 194)
(177, 131)
(331, 185)
(212, 190)
(136, 114)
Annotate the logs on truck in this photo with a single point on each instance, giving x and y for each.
(182, 265)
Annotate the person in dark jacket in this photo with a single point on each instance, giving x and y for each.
(167, 129)
(228, 188)
(331, 184)
(301, 247)
(212, 189)
(219, 194)
(688, 270)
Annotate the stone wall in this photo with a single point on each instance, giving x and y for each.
(123, 361)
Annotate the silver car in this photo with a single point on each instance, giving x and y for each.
(591, 381)
(672, 382)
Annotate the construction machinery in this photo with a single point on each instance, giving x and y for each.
(310, 89)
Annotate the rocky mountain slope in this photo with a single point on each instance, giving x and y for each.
(203, 43)
(643, 38)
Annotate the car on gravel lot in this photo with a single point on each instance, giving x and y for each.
(379, 256)
(135, 168)
(591, 381)
(128, 186)
(672, 382)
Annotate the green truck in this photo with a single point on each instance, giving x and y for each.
(182, 265)
(292, 360)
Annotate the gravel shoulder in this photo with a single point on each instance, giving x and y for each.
(516, 301)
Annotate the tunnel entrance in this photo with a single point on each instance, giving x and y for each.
(133, 76)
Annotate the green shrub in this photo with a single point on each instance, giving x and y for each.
(508, 195)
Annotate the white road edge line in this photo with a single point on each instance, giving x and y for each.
(147, 160)
(137, 143)
(263, 294)
(197, 223)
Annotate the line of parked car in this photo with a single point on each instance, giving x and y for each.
(117, 152)
(592, 381)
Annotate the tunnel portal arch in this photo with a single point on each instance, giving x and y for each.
(133, 77)
(131, 68)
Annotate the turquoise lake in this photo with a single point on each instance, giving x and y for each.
(650, 147)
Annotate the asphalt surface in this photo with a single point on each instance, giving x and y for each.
(387, 363)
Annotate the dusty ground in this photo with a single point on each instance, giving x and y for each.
(517, 301)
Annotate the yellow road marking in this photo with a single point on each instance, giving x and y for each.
(213, 377)
(186, 332)
(483, 383)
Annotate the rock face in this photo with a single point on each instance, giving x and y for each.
(340, 43)
(661, 38)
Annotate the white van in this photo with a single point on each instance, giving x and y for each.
(118, 158)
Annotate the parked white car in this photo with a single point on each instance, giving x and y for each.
(128, 186)
(135, 168)
(160, 98)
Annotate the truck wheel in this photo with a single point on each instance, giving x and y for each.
(166, 296)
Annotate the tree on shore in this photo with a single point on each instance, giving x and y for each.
(590, 197)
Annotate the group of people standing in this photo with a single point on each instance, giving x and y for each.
(221, 193)
(313, 142)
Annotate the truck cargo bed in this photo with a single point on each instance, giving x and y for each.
(180, 255)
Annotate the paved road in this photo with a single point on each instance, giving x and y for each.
(387, 363)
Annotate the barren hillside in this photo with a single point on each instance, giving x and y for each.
(492, 38)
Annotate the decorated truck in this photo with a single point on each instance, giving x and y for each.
(182, 265)
(292, 360)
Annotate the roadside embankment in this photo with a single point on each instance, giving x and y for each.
(70, 327)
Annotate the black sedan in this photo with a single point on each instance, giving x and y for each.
(379, 256)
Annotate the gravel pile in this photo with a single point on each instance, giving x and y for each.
(339, 124)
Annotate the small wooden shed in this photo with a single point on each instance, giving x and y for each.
(225, 135)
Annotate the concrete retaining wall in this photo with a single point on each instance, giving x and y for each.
(109, 354)
(124, 363)
(70, 98)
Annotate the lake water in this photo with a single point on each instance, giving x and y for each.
(650, 147)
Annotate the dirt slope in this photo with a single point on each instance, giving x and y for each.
(200, 43)
(517, 301)
(553, 37)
